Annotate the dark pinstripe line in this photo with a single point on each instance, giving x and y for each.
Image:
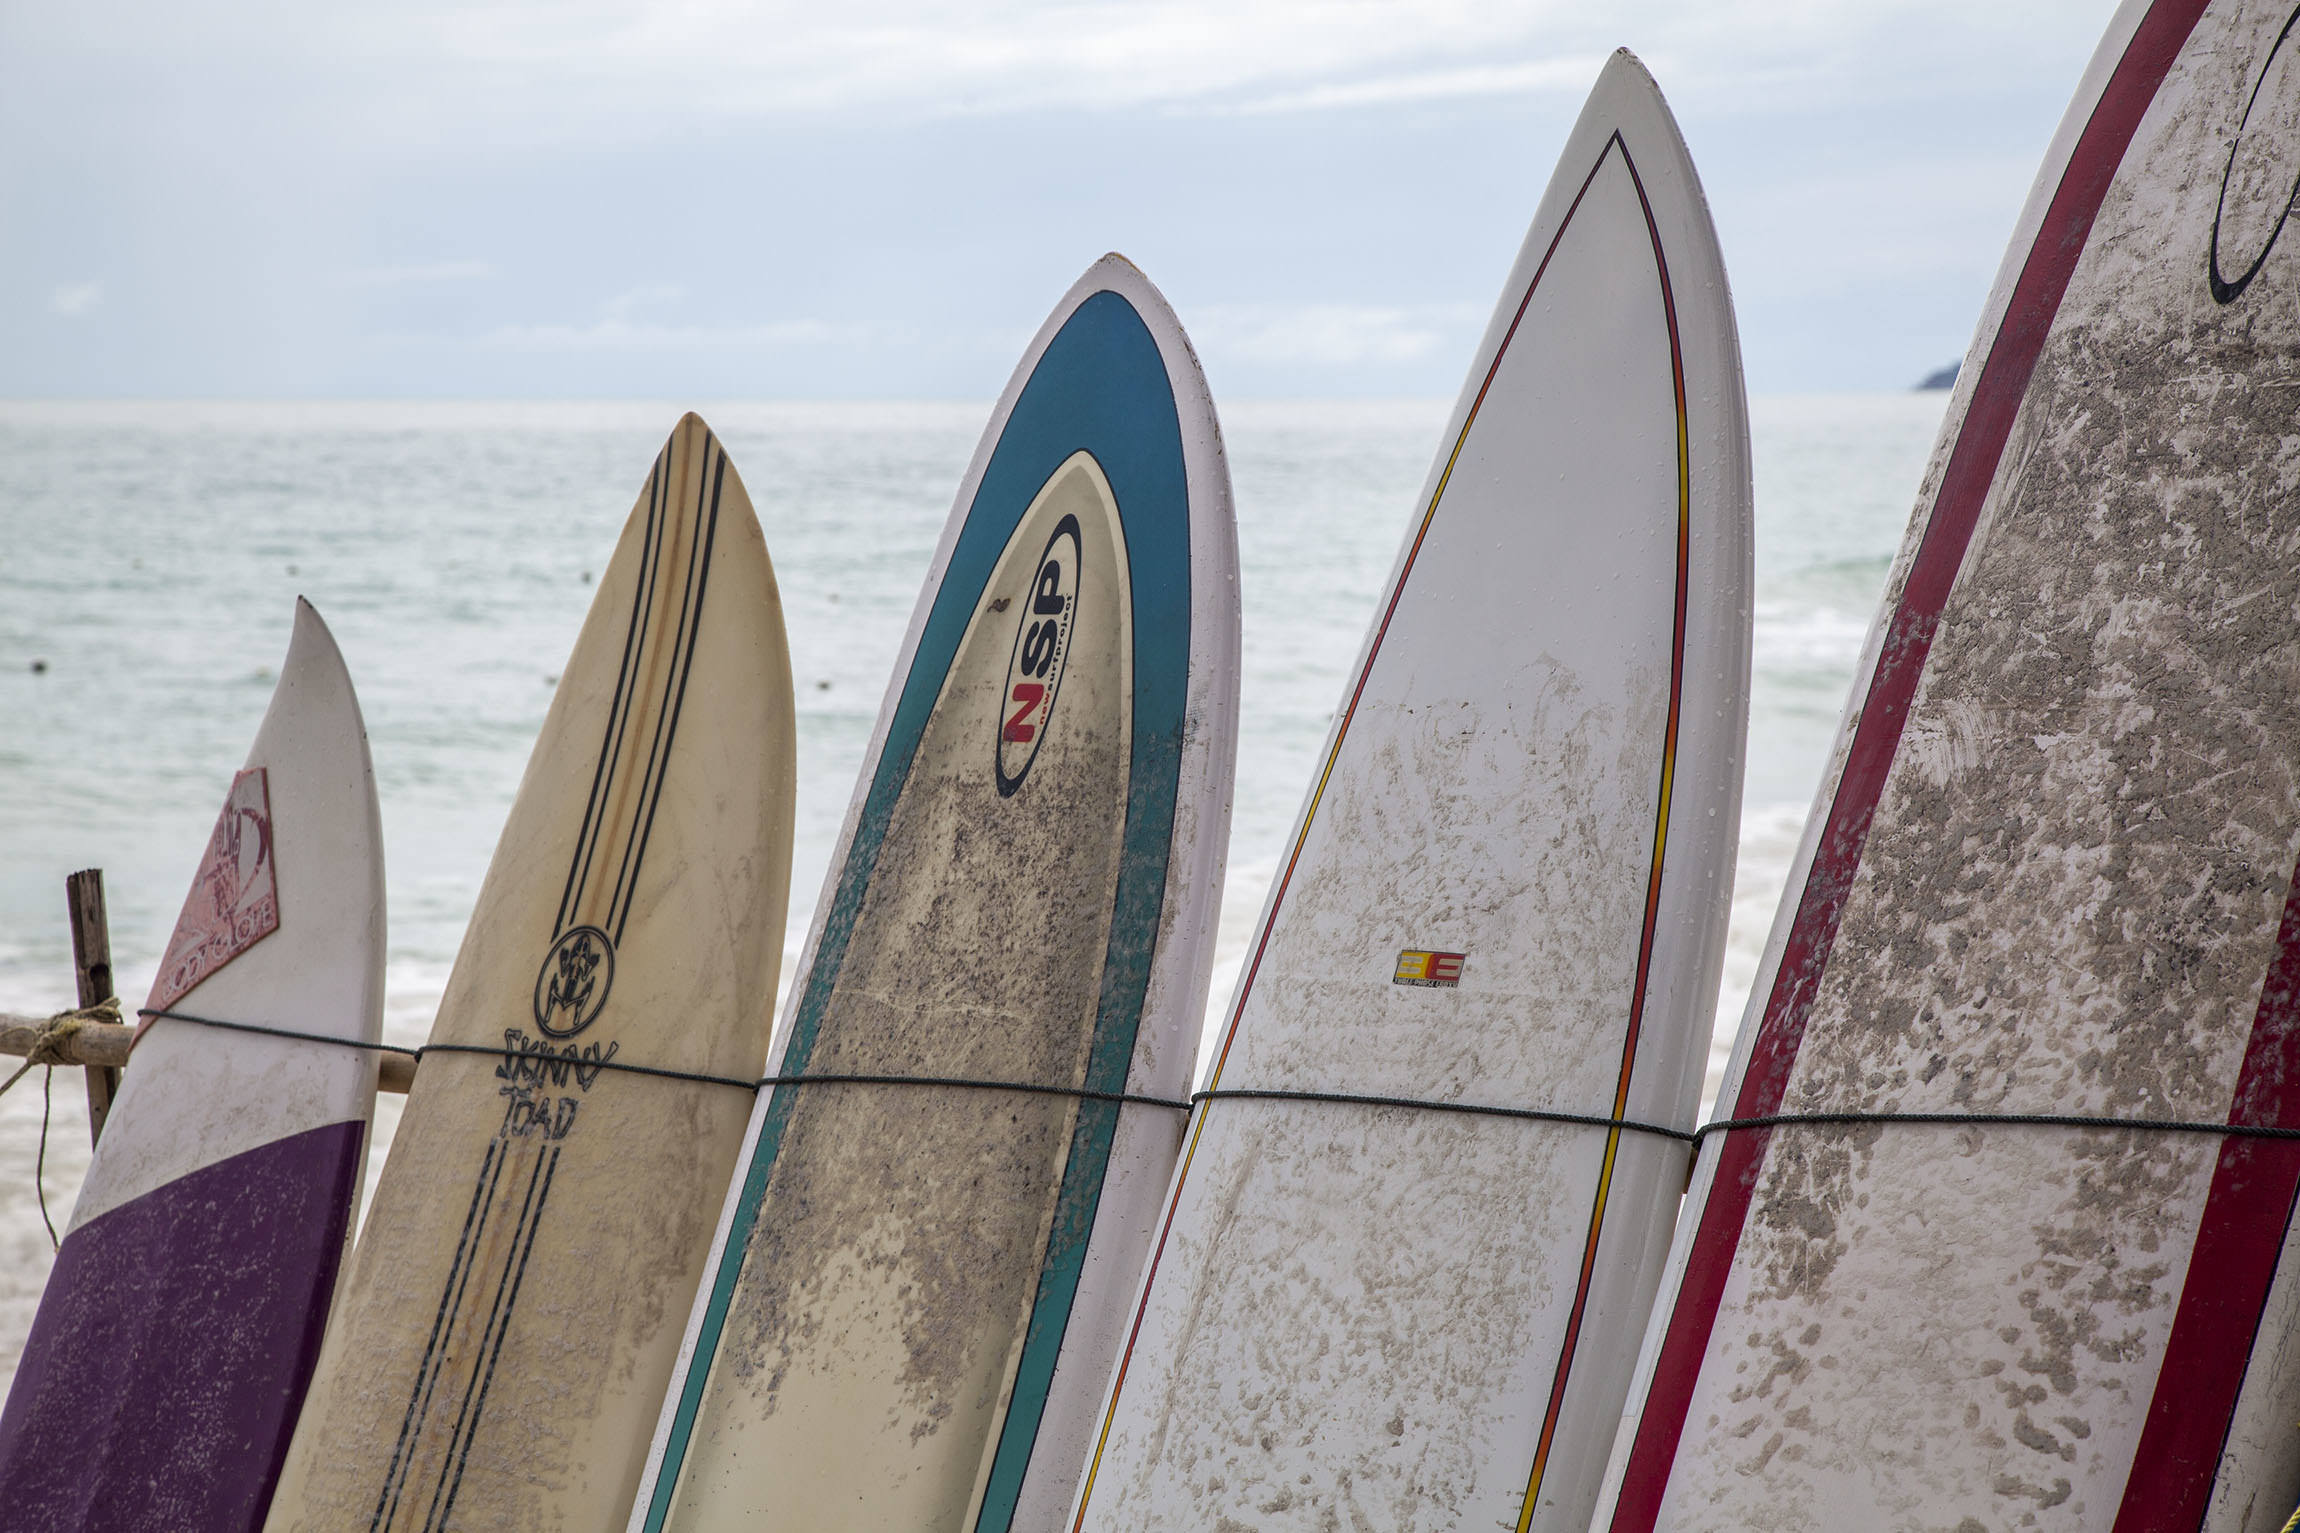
(682, 654)
(686, 667)
(626, 679)
(550, 1170)
(627, 872)
(450, 1300)
(498, 1320)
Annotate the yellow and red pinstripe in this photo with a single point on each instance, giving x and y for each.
(1653, 876)
(1317, 797)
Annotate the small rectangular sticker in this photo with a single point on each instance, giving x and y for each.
(1437, 971)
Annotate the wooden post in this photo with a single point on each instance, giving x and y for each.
(92, 958)
(103, 1045)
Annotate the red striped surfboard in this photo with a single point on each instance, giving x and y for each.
(2051, 871)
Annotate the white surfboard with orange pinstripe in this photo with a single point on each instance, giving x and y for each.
(1508, 888)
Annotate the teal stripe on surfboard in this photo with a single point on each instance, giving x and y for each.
(1101, 387)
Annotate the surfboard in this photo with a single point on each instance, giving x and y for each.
(514, 1305)
(2050, 872)
(1507, 889)
(183, 1316)
(917, 1288)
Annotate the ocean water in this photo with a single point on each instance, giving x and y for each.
(152, 554)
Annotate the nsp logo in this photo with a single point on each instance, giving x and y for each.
(1430, 970)
(1041, 649)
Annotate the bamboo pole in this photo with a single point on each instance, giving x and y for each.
(92, 963)
(99, 1045)
(103, 1045)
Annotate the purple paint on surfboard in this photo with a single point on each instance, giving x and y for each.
(175, 1339)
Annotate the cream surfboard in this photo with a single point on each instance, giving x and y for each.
(919, 1288)
(183, 1317)
(2050, 872)
(514, 1304)
(1507, 888)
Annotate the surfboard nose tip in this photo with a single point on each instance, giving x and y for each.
(309, 634)
(1116, 260)
(1624, 60)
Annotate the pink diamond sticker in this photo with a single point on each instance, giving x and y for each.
(234, 903)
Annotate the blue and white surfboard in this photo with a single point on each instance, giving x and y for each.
(918, 1289)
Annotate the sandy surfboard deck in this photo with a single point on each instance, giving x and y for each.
(1508, 887)
(514, 1305)
(2051, 871)
(919, 1289)
(182, 1319)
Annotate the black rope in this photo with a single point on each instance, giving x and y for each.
(1478, 1109)
(1996, 1119)
(740, 1083)
(1774, 1120)
(1031, 1088)
(1534, 1114)
(278, 1032)
(569, 1061)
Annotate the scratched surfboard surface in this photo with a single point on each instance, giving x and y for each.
(182, 1320)
(1508, 887)
(514, 1304)
(918, 1289)
(2051, 872)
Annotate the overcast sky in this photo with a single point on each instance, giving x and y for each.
(705, 198)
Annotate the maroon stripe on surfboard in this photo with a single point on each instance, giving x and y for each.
(2230, 1269)
(1995, 402)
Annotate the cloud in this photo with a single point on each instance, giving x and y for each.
(1335, 334)
(74, 299)
(935, 57)
(1539, 75)
(1328, 168)
(419, 276)
(620, 334)
(621, 307)
(1904, 217)
(621, 326)
(494, 72)
(927, 58)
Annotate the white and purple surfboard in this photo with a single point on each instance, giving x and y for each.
(179, 1327)
(2050, 875)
